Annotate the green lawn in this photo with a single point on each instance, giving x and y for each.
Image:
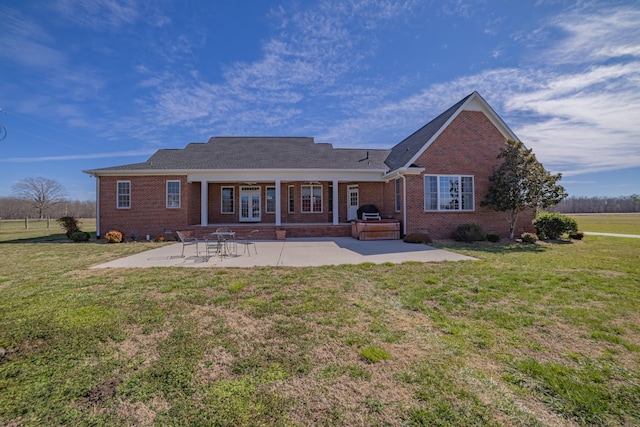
(529, 335)
(609, 223)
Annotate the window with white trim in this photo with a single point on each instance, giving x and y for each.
(228, 200)
(311, 198)
(123, 194)
(270, 201)
(448, 193)
(173, 194)
(398, 198)
(292, 200)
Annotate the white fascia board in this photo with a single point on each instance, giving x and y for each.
(136, 172)
(261, 175)
(402, 172)
(235, 175)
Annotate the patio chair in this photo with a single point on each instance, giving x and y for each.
(248, 240)
(213, 244)
(186, 241)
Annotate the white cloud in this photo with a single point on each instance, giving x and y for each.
(310, 55)
(98, 14)
(596, 35)
(26, 43)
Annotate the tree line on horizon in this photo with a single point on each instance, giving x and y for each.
(582, 204)
(16, 208)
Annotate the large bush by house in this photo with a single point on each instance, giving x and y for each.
(468, 233)
(550, 226)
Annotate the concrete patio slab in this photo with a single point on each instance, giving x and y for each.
(303, 252)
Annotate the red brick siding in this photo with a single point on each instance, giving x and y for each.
(193, 201)
(371, 193)
(148, 213)
(468, 146)
(389, 197)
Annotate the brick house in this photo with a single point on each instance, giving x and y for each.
(433, 180)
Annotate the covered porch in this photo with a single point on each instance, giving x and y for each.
(301, 203)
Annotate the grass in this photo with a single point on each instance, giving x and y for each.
(609, 223)
(529, 335)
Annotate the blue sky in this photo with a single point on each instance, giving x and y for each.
(96, 83)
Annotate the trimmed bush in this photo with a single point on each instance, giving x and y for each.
(69, 224)
(528, 238)
(80, 236)
(576, 235)
(551, 226)
(493, 238)
(468, 233)
(113, 237)
(417, 237)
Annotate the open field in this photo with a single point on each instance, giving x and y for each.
(530, 335)
(609, 223)
(37, 229)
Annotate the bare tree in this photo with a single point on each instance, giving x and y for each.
(43, 193)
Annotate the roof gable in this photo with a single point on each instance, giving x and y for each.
(405, 153)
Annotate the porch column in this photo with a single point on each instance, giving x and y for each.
(278, 207)
(204, 203)
(335, 202)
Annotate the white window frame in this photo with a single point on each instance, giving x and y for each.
(179, 195)
(270, 198)
(312, 188)
(458, 205)
(233, 200)
(119, 194)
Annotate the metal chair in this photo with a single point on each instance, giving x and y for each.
(186, 241)
(213, 244)
(248, 240)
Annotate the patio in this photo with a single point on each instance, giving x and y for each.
(295, 252)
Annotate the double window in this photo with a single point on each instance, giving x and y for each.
(311, 198)
(448, 193)
(123, 194)
(173, 194)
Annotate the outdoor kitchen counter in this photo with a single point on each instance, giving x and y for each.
(375, 229)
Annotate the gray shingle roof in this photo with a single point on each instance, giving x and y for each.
(221, 153)
(225, 153)
(404, 151)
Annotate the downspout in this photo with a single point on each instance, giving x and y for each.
(404, 205)
(98, 233)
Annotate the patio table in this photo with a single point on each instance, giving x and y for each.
(224, 240)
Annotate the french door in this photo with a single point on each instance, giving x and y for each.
(352, 202)
(250, 204)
